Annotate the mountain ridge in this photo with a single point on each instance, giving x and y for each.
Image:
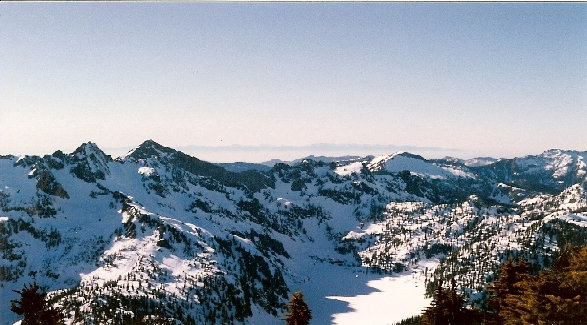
(115, 238)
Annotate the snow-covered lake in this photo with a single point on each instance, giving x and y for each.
(349, 296)
(395, 298)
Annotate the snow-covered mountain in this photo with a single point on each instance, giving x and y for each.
(158, 234)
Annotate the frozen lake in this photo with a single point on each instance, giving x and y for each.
(394, 298)
(347, 296)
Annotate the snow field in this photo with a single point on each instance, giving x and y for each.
(395, 298)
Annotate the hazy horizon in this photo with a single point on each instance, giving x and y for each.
(266, 153)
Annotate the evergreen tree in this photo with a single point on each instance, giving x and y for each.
(298, 312)
(435, 314)
(414, 320)
(456, 305)
(33, 307)
(557, 296)
(505, 291)
(448, 307)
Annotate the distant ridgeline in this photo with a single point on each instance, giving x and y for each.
(159, 235)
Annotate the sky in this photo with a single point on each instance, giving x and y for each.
(254, 81)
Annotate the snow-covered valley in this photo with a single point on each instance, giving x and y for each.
(158, 234)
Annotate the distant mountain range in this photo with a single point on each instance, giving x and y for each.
(161, 235)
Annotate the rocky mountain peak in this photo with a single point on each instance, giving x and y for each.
(90, 162)
(90, 150)
(149, 149)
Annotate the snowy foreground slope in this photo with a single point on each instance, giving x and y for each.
(158, 234)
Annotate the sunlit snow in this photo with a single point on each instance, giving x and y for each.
(147, 171)
(349, 169)
(395, 298)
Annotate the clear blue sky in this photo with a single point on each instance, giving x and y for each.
(469, 79)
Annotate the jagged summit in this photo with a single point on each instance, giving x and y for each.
(149, 149)
(89, 149)
(84, 147)
(152, 153)
(89, 162)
